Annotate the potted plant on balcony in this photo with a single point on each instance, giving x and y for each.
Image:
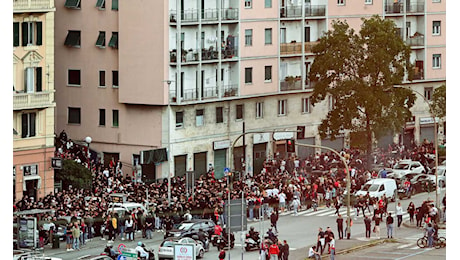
(290, 80)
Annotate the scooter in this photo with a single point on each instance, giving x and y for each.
(251, 243)
(223, 243)
(271, 236)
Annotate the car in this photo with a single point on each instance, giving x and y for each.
(128, 206)
(419, 182)
(166, 250)
(404, 167)
(441, 175)
(378, 187)
(189, 228)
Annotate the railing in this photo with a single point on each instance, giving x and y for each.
(33, 100)
(296, 84)
(291, 11)
(415, 41)
(394, 8)
(189, 16)
(296, 47)
(210, 15)
(30, 5)
(315, 10)
(415, 8)
(309, 84)
(210, 92)
(418, 73)
(230, 14)
(230, 90)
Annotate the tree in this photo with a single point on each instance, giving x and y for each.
(74, 174)
(359, 72)
(439, 102)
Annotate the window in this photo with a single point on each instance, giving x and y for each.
(268, 73)
(436, 61)
(219, 115)
(259, 110)
(179, 119)
(248, 37)
(239, 112)
(33, 79)
(428, 93)
(247, 3)
(115, 118)
(73, 4)
(436, 27)
(248, 75)
(368, 2)
(436, 1)
(282, 107)
(114, 40)
(100, 4)
(115, 79)
(268, 3)
(306, 105)
(100, 42)
(102, 78)
(199, 117)
(330, 103)
(101, 117)
(31, 33)
(268, 36)
(341, 2)
(28, 125)
(74, 77)
(115, 5)
(73, 39)
(30, 170)
(15, 34)
(74, 116)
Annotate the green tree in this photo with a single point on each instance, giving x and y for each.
(439, 102)
(359, 72)
(73, 173)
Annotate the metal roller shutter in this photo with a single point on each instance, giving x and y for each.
(220, 162)
(259, 156)
(337, 144)
(199, 164)
(180, 165)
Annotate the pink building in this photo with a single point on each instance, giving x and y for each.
(187, 76)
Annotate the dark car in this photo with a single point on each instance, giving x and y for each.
(189, 228)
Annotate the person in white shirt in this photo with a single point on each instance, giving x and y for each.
(141, 250)
(399, 214)
(282, 200)
(187, 215)
(332, 246)
(312, 253)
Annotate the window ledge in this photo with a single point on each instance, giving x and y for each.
(30, 48)
(71, 85)
(114, 86)
(102, 86)
(268, 81)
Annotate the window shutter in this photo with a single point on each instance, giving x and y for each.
(15, 34)
(25, 33)
(24, 126)
(39, 33)
(38, 79)
(114, 4)
(32, 124)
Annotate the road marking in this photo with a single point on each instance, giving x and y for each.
(414, 254)
(403, 246)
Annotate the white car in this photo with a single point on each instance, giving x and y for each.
(166, 250)
(441, 175)
(404, 167)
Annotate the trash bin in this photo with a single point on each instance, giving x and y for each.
(56, 241)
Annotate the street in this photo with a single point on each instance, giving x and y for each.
(301, 232)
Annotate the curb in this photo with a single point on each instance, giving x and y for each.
(360, 247)
(408, 225)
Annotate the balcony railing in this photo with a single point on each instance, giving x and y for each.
(230, 90)
(230, 14)
(415, 7)
(32, 5)
(33, 100)
(394, 8)
(209, 14)
(415, 41)
(291, 11)
(315, 10)
(293, 83)
(210, 92)
(296, 47)
(418, 73)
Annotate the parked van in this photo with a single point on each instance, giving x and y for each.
(122, 208)
(378, 187)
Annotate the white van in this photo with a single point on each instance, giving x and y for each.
(121, 208)
(378, 187)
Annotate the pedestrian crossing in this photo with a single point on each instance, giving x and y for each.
(330, 212)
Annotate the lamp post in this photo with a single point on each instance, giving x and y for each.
(435, 139)
(88, 141)
(169, 143)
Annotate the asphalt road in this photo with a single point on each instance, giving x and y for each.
(300, 232)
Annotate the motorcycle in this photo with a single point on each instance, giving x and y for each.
(271, 236)
(252, 242)
(108, 251)
(223, 243)
(151, 254)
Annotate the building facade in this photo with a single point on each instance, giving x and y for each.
(33, 98)
(189, 76)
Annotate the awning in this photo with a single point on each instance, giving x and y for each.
(100, 3)
(101, 40)
(29, 178)
(114, 4)
(72, 39)
(114, 41)
(72, 3)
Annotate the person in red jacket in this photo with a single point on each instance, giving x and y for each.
(273, 252)
(217, 230)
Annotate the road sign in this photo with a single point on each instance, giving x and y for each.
(121, 257)
(226, 171)
(121, 247)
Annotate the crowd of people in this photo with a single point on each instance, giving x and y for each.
(283, 184)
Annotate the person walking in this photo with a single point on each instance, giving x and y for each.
(367, 223)
(399, 214)
(285, 250)
(222, 254)
(320, 241)
(273, 220)
(389, 226)
(295, 204)
(273, 251)
(340, 226)
(411, 211)
(377, 226)
(332, 247)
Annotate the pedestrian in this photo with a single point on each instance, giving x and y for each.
(76, 236)
(327, 235)
(129, 224)
(295, 204)
(312, 253)
(367, 223)
(348, 229)
(149, 226)
(340, 226)
(389, 226)
(285, 250)
(273, 220)
(430, 234)
(320, 243)
(377, 226)
(222, 254)
(332, 247)
(411, 211)
(273, 251)
(399, 214)
(68, 237)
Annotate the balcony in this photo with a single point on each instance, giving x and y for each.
(230, 14)
(394, 8)
(210, 92)
(291, 83)
(21, 6)
(291, 11)
(33, 100)
(296, 47)
(230, 90)
(415, 7)
(209, 15)
(416, 40)
(315, 10)
(418, 73)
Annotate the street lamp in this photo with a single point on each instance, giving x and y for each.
(169, 142)
(88, 141)
(435, 138)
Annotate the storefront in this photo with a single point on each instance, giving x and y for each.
(336, 144)
(302, 151)
(259, 151)
(427, 129)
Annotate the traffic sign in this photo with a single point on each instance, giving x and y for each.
(121, 257)
(226, 170)
(120, 248)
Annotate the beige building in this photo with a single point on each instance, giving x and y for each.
(33, 98)
(189, 75)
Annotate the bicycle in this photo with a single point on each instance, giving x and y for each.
(438, 242)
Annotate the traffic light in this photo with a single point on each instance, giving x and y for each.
(300, 132)
(290, 146)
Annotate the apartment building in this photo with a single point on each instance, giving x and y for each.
(189, 76)
(33, 98)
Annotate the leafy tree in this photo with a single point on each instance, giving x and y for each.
(439, 101)
(359, 71)
(73, 173)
